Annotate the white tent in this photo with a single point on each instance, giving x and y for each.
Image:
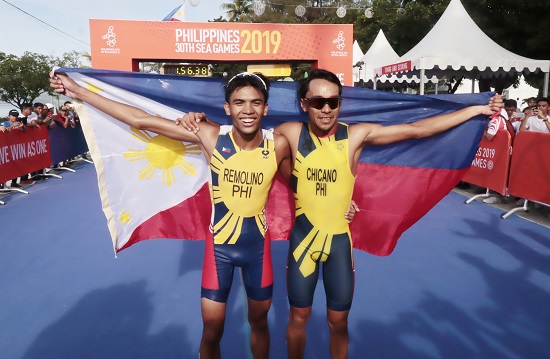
(456, 46)
(379, 53)
(357, 54)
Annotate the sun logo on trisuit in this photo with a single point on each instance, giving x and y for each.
(320, 184)
(241, 180)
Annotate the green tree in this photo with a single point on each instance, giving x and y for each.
(238, 10)
(518, 26)
(72, 59)
(23, 79)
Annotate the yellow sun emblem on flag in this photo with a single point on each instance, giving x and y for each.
(164, 154)
(125, 217)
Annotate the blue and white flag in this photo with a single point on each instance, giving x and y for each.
(178, 14)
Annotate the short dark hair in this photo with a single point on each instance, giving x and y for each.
(38, 104)
(543, 99)
(303, 86)
(511, 103)
(244, 79)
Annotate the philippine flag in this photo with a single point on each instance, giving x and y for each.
(154, 187)
(178, 14)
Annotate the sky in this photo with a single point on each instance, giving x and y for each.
(20, 32)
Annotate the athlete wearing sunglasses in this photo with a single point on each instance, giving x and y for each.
(319, 102)
(324, 154)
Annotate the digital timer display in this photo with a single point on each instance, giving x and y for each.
(187, 70)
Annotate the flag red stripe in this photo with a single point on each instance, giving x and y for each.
(187, 220)
(392, 198)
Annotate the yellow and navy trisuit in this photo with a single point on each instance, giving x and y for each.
(322, 182)
(241, 181)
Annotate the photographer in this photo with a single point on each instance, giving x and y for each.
(538, 122)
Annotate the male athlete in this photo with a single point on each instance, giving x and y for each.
(243, 159)
(324, 158)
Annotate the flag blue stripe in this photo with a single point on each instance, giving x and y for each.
(171, 14)
(453, 149)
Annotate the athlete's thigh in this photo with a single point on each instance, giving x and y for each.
(300, 287)
(217, 274)
(258, 278)
(339, 275)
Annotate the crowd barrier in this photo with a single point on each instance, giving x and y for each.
(521, 170)
(491, 165)
(22, 152)
(37, 148)
(67, 143)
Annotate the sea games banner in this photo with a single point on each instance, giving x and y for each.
(121, 45)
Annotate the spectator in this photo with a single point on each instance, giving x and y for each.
(526, 113)
(9, 124)
(37, 109)
(73, 116)
(531, 101)
(62, 117)
(28, 116)
(46, 115)
(515, 116)
(26, 110)
(538, 122)
(501, 122)
(13, 116)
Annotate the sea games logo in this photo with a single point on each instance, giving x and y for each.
(110, 40)
(340, 44)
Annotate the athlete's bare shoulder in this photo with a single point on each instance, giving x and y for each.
(290, 130)
(282, 146)
(360, 132)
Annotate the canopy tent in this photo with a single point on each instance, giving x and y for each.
(356, 57)
(379, 53)
(456, 46)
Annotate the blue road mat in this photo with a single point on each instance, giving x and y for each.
(462, 283)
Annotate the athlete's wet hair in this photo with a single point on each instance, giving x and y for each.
(256, 80)
(303, 86)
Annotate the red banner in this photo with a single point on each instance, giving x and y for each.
(530, 169)
(23, 152)
(399, 67)
(491, 166)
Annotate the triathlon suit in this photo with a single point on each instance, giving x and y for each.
(322, 185)
(240, 184)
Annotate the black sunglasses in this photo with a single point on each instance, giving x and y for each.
(319, 102)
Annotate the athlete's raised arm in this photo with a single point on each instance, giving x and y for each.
(374, 134)
(130, 115)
